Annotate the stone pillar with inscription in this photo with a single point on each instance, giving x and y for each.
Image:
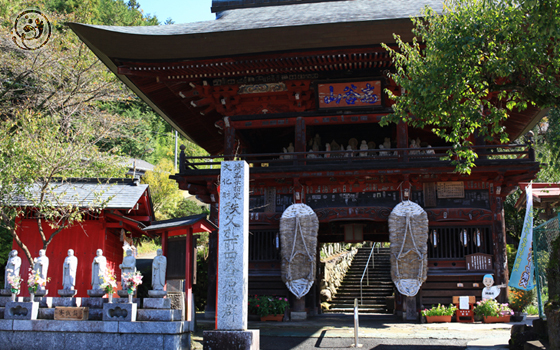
(233, 262)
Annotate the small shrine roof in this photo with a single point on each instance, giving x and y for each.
(180, 223)
(120, 193)
(543, 193)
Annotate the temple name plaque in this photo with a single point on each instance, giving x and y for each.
(451, 189)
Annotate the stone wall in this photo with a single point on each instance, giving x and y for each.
(157, 326)
(334, 269)
(72, 335)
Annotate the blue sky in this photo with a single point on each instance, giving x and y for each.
(180, 11)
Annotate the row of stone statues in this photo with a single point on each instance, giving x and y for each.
(363, 148)
(98, 270)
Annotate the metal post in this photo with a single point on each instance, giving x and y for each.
(356, 326)
(176, 153)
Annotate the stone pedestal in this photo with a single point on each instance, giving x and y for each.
(298, 315)
(68, 302)
(156, 303)
(94, 303)
(96, 293)
(119, 312)
(43, 301)
(123, 293)
(410, 313)
(230, 340)
(21, 310)
(41, 292)
(67, 293)
(7, 292)
(161, 315)
(157, 293)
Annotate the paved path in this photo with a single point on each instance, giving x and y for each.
(379, 332)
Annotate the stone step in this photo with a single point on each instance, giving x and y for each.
(366, 302)
(365, 289)
(361, 310)
(342, 294)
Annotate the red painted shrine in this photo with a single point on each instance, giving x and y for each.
(128, 211)
(296, 90)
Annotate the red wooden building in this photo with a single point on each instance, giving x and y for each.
(280, 76)
(128, 211)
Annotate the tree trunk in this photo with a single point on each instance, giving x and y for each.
(22, 246)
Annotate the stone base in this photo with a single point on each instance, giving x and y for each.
(158, 315)
(125, 301)
(67, 293)
(45, 314)
(68, 302)
(7, 292)
(72, 335)
(96, 314)
(230, 340)
(156, 303)
(298, 315)
(119, 312)
(94, 303)
(21, 311)
(96, 293)
(157, 293)
(123, 293)
(5, 300)
(43, 301)
(41, 293)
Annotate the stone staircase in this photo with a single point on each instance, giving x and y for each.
(380, 284)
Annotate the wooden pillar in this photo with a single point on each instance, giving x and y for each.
(188, 275)
(479, 140)
(300, 138)
(210, 311)
(402, 140)
(165, 243)
(501, 274)
(229, 142)
(165, 249)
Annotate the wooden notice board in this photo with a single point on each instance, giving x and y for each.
(430, 199)
(451, 189)
(479, 261)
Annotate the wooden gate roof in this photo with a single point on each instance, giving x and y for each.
(167, 66)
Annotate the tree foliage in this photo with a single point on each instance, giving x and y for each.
(472, 65)
(168, 200)
(52, 122)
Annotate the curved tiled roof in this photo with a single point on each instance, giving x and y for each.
(289, 16)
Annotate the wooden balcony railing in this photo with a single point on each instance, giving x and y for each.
(360, 157)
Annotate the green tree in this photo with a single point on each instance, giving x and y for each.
(168, 200)
(472, 65)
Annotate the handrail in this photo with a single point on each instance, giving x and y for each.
(350, 156)
(366, 272)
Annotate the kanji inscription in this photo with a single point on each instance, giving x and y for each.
(233, 246)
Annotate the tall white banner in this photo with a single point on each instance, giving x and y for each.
(522, 273)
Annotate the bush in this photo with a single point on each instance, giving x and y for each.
(519, 299)
(268, 305)
(491, 307)
(440, 310)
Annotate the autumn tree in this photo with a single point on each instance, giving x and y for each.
(474, 63)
